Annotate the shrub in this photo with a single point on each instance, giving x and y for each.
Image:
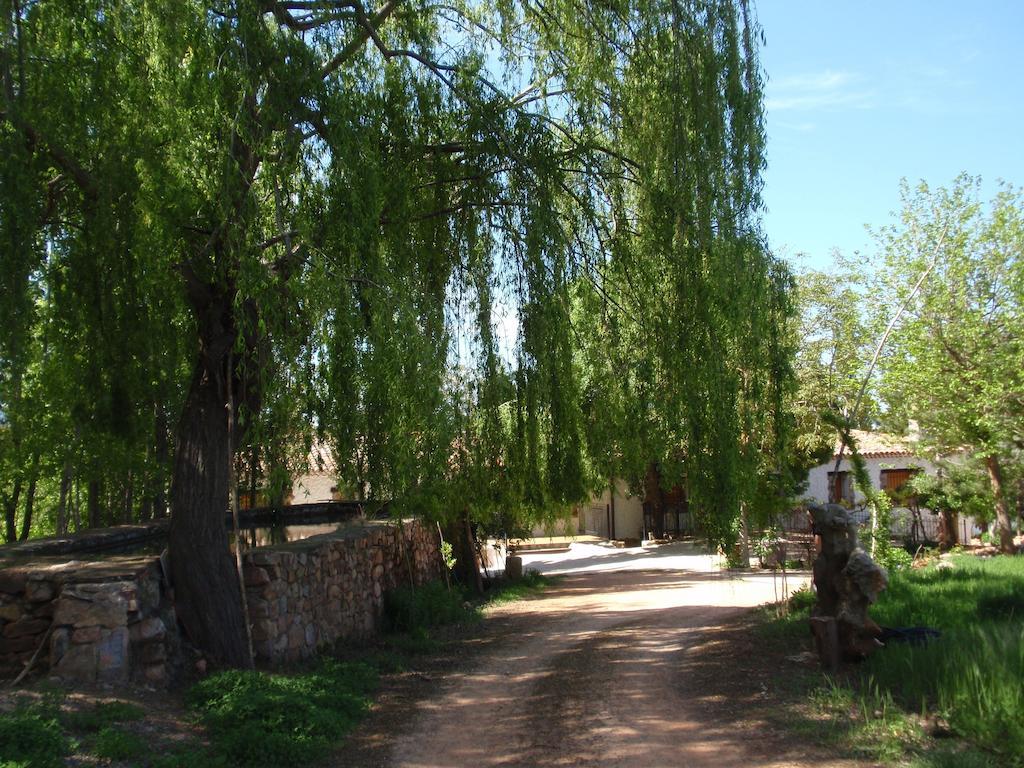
(103, 715)
(31, 736)
(115, 744)
(255, 718)
(429, 605)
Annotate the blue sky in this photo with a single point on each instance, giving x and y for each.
(861, 94)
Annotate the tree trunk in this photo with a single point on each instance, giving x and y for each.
(92, 503)
(129, 498)
(11, 511)
(995, 476)
(62, 504)
(208, 598)
(949, 536)
(30, 498)
(467, 569)
(160, 494)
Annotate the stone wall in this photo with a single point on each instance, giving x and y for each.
(312, 593)
(112, 620)
(100, 621)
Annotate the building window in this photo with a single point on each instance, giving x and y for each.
(840, 486)
(892, 481)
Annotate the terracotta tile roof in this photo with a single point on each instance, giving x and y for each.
(875, 445)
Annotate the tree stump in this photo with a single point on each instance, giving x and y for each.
(847, 582)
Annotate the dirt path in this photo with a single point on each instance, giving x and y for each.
(594, 672)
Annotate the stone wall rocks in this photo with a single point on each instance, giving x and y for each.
(317, 591)
(111, 620)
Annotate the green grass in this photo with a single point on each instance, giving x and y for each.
(253, 718)
(408, 609)
(972, 677)
(31, 737)
(531, 584)
(103, 715)
(116, 744)
(256, 718)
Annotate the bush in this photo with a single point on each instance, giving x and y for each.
(895, 559)
(115, 744)
(429, 605)
(103, 715)
(31, 736)
(255, 718)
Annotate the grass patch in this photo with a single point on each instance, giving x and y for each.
(116, 744)
(970, 678)
(31, 737)
(409, 609)
(507, 591)
(103, 715)
(256, 719)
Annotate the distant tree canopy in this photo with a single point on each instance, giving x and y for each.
(956, 362)
(332, 216)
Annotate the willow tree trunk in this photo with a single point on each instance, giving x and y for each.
(995, 476)
(208, 597)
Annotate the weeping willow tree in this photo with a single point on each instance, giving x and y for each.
(494, 254)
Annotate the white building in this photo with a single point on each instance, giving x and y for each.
(890, 462)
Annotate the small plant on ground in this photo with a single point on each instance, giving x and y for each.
(103, 715)
(965, 684)
(31, 737)
(428, 605)
(256, 718)
(117, 744)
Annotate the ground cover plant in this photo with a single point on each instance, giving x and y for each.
(252, 718)
(964, 688)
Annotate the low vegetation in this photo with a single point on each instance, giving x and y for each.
(251, 718)
(957, 700)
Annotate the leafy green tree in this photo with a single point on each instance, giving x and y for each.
(956, 363)
(833, 328)
(260, 219)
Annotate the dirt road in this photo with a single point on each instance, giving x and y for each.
(592, 673)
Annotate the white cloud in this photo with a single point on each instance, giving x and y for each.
(818, 90)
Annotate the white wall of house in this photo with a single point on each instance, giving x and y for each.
(313, 488)
(629, 512)
(817, 488)
(592, 517)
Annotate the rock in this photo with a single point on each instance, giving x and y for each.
(152, 653)
(256, 577)
(86, 635)
(147, 630)
(10, 612)
(112, 655)
(156, 673)
(18, 644)
(26, 626)
(296, 637)
(38, 591)
(311, 635)
(12, 581)
(201, 666)
(78, 663)
(106, 610)
(60, 640)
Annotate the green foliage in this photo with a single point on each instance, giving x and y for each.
(118, 744)
(448, 554)
(960, 487)
(956, 363)
(31, 737)
(408, 609)
(102, 715)
(260, 719)
(506, 591)
(969, 677)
